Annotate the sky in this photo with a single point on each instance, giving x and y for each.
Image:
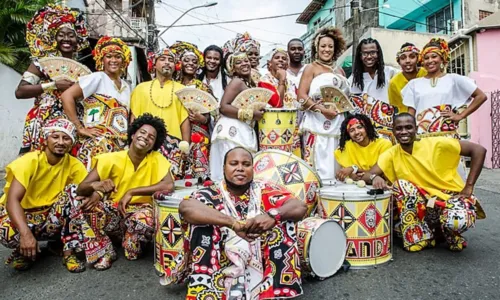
(270, 33)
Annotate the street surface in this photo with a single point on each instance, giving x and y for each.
(431, 274)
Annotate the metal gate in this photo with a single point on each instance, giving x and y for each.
(495, 129)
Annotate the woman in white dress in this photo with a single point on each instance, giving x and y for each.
(320, 126)
(235, 126)
(439, 88)
(105, 97)
(436, 98)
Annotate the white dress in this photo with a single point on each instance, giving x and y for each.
(451, 89)
(100, 83)
(320, 135)
(229, 133)
(370, 85)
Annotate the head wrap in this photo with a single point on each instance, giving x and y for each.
(352, 122)
(241, 43)
(410, 48)
(231, 58)
(107, 45)
(183, 48)
(279, 50)
(442, 50)
(41, 30)
(60, 125)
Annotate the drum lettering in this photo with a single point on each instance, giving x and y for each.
(351, 249)
(365, 248)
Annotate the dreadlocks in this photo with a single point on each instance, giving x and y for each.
(221, 66)
(358, 69)
(367, 124)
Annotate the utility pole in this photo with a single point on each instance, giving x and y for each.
(355, 12)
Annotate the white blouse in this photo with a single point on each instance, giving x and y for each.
(451, 89)
(100, 83)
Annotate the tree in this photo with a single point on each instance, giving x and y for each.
(14, 14)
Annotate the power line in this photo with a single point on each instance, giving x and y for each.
(216, 18)
(120, 17)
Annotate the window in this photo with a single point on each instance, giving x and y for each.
(316, 23)
(412, 28)
(347, 10)
(438, 22)
(483, 14)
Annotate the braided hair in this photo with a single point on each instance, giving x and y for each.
(367, 124)
(358, 70)
(221, 66)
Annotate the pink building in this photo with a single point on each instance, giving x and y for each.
(475, 54)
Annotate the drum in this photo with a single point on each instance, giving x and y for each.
(291, 172)
(277, 129)
(169, 240)
(366, 220)
(322, 246)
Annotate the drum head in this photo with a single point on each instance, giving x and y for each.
(327, 249)
(343, 191)
(177, 196)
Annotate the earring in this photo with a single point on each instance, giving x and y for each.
(441, 66)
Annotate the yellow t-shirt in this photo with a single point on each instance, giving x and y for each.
(118, 167)
(173, 115)
(432, 165)
(363, 157)
(396, 85)
(43, 182)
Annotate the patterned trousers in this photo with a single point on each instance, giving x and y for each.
(40, 221)
(90, 231)
(421, 225)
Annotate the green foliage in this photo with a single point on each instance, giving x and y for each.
(14, 14)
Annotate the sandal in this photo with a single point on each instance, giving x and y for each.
(19, 262)
(73, 264)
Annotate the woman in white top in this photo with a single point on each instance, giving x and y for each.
(370, 75)
(103, 122)
(437, 96)
(320, 126)
(235, 126)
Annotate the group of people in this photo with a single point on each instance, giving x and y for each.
(95, 151)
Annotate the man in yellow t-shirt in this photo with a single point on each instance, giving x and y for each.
(408, 58)
(158, 98)
(124, 182)
(359, 147)
(34, 182)
(432, 199)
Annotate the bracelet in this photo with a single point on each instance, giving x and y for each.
(101, 194)
(49, 86)
(281, 83)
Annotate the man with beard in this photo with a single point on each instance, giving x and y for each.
(408, 58)
(115, 198)
(433, 202)
(158, 98)
(213, 74)
(33, 184)
(296, 67)
(232, 231)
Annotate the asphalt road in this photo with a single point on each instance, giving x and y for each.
(431, 274)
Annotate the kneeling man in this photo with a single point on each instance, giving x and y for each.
(115, 198)
(241, 236)
(34, 182)
(432, 200)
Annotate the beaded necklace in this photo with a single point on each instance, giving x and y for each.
(151, 95)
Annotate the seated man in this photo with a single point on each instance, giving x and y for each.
(240, 236)
(34, 182)
(432, 199)
(359, 147)
(124, 182)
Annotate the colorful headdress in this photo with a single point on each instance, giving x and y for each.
(231, 59)
(439, 46)
(279, 50)
(41, 30)
(241, 43)
(409, 48)
(107, 45)
(60, 125)
(182, 48)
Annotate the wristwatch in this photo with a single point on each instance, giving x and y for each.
(275, 214)
(373, 176)
(354, 169)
